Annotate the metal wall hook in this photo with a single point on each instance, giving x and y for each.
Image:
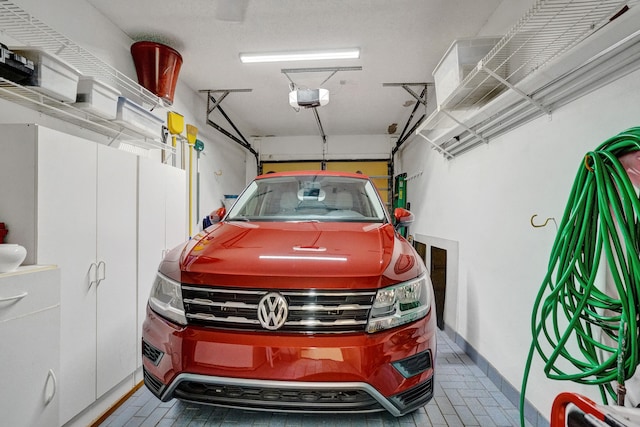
(545, 222)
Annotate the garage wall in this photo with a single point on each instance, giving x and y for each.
(480, 205)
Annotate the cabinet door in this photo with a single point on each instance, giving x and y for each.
(30, 352)
(176, 200)
(29, 333)
(161, 224)
(151, 232)
(116, 260)
(67, 237)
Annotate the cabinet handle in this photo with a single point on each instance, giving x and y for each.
(51, 376)
(93, 268)
(15, 298)
(100, 278)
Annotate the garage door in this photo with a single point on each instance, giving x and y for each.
(377, 170)
(290, 166)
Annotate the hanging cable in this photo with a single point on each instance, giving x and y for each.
(582, 333)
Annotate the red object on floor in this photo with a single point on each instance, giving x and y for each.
(558, 409)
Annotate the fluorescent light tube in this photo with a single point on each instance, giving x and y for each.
(310, 55)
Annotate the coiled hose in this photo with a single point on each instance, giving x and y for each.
(581, 333)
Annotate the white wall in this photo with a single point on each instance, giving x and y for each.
(222, 163)
(482, 202)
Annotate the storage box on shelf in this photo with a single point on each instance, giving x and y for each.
(133, 116)
(84, 118)
(460, 59)
(97, 97)
(15, 67)
(29, 33)
(52, 75)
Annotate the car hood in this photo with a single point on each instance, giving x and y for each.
(292, 249)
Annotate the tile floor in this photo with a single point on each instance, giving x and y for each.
(463, 396)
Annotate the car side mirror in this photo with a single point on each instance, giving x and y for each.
(218, 214)
(403, 217)
(214, 217)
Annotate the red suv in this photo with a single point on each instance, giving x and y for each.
(302, 297)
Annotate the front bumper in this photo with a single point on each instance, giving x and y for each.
(391, 370)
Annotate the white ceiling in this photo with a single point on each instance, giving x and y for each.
(401, 41)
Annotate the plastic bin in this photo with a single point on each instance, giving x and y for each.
(97, 97)
(460, 59)
(134, 117)
(52, 76)
(13, 67)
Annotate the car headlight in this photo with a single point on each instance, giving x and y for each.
(400, 304)
(166, 299)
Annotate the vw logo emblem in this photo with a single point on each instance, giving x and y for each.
(272, 311)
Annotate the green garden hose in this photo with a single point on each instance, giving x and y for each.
(581, 333)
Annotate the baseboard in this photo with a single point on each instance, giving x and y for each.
(106, 404)
(510, 392)
(116, 405)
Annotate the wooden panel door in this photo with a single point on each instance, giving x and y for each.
(378, 171)
(290, 166)
(439, 281)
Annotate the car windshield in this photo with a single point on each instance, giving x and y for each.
(309, 198)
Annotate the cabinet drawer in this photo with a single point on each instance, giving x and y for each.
(28, 290)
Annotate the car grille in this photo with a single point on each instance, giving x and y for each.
(414, 365)
(309, 311)
(152, 383)
(414, 397)
(277, 399)
(151, 353)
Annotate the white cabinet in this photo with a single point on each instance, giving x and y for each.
(162, 207)
(72, 202)
(29, 328)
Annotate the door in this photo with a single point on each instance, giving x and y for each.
(290, 166)
(116, 267)
(439, 281)
(28, 393)
(175, 184)
(151, 232)
(378, 171)
(161, 225)
(67, 237)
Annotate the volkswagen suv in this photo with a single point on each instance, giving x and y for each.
(302, 297)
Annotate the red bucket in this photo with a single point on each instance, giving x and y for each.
(157, 67)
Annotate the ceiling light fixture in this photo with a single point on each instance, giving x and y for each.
(309, 55)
